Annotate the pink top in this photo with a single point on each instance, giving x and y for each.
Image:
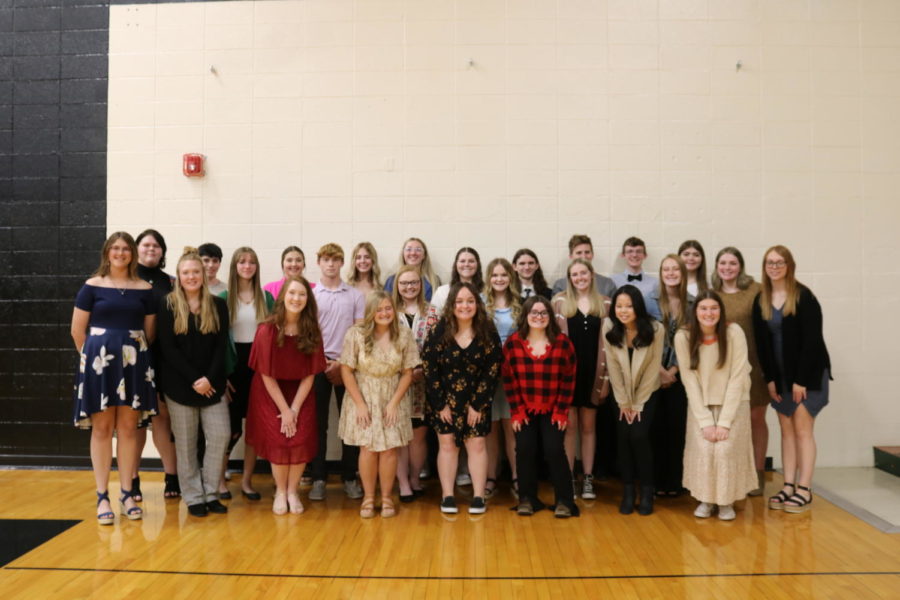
(274, 287)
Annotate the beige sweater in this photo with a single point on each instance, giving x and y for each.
(708, 386)
(633, 381)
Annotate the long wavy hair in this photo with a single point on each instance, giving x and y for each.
(259, 296)
(367, 327)
(477, 279)
(398, 300)
(513, 299)
(481, 324)
(695, 334)
(309, 335)
(540, 283)
(701, 270)
(792, 286)
(354, 276)
(425, 267)
(643, 320)
(743, 279)
(104, 268)
(664, 306)
(522, 326)
(207, 318)
(569, 297)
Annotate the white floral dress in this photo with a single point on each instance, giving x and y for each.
(377, 374)
(115, 367)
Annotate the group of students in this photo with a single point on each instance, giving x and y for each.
(676, 370)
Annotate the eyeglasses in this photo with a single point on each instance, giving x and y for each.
(414, 250)
(412, 283)
(539, 314)
(775, 264)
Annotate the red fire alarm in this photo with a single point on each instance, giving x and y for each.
(192, 165)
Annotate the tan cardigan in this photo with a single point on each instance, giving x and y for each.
(708, 386)
(633, 382)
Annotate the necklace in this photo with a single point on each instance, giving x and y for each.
(121, 290)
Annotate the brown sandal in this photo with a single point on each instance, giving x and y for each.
(387, 507)
(367, 509)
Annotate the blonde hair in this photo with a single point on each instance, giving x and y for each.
(425, 268)
(367, 327)
(664, 306)
(259, 297)
(513, 300)
(569, 297)
(395, 293)
(176, 300)
(354, 275)
(792, 286)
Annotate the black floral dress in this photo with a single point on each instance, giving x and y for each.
(459, 378)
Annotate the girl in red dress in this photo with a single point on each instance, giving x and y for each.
(281, 418)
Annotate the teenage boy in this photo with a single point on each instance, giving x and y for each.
(340, 306)
(634, 252)
(580, 246)
(211, 255)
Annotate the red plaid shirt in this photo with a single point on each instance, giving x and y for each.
(539, 385)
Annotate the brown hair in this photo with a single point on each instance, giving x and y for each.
(309, 336)
(354, 275)
(743, 279)
(103, 269)
(399, 302)
(701, 270)
(695, 335)
(664, 306)
(522, 327)
(513, 301)
(259, 296)
(284, 254)
(330, 250)
(481, 325)
(792, 286)
(577, 240)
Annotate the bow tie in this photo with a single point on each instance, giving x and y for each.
(635, 277)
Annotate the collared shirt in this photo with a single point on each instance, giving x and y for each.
(338, 310)
(649, 286)
(604, 285)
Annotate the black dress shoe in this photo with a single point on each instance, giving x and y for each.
(251, 495)
(407, 499)
(198, 510)
(226, 495)
(216, 507)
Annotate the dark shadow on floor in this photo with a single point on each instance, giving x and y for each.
(18, 536)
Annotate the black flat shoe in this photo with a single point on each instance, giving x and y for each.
(251, 495)
(226, 495)
(407, 499)
(216, 507)
(198, 510)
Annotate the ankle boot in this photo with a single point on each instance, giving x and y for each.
(646, 505)
(627, 506)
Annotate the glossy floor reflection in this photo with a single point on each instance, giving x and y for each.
(867, 492)
(330, 552)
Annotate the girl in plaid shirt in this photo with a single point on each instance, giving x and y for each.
(539, 378)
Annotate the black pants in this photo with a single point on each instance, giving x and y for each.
(541, 432)
(349, 454)
(605, 453)
(667, 437)
(633, 446)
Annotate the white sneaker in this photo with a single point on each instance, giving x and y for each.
(463, 479)
(704, 510)
(726, 512)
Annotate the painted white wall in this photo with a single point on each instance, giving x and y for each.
(501, 124)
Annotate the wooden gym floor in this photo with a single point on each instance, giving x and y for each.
(329, 552)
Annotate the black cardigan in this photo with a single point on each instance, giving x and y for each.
(805, 354)
(188, 357)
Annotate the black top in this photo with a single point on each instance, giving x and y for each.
(188, 357)
(803, 347)
(157, 278)
(584, 331)
(544, 291)
(115, 309)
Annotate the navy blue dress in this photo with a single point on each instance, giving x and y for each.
(115, 367)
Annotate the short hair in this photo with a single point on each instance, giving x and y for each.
(634, 242)
(210, 249)
(330, 250)
(579, 239)
(159, 240)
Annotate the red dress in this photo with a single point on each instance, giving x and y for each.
(289, 367)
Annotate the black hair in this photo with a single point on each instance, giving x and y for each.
(210, 249)
(159, 240)
(644, 322)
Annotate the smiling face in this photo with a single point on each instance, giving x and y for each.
(539, 316)
(293, 264)
(119, 254)
(581, 277)
(585, 251)
(408, 285)
(295, 297)
(728, 267)
(625, 310)
(708, 314)
(149, 251)
(211, 265)
(634, 257)
(465, 305)
(525, 266)
(499, 279)
(413, 253)
(692, 259)
(384, 314)
(362, 261)
(671, 272)
(246, 266)
(466, 266)
(776, 266)
(190, 275)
